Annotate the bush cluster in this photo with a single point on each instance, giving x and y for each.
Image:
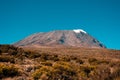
(7, 59)
(8, 71)
(11, 50)
(47, 63)
(85, 71)
(94, 61)
(59, 71)
(115, 75)
(100, 73)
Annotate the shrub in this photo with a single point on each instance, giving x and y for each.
(27, 53)
(8, 71)
(44, 57)
(12, 52)
(86, 70)
(44, 70)
(100, 73)
(54, 58)
(65, 71)
(95, 61)
(115, 75)
(92, 61)
(7, 59)
(73, 57)
(113, 64)
(46, 63)
(7, 48)
(0, 52)
(34, 55)
(29, 68)
(65, 58)
(60, 70)
(104, 62)
(4, 48)
(79, 61)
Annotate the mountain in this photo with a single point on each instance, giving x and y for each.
(75, 38)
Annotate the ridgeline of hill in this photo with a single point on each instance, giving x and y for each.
(64, 38)
(62, 63)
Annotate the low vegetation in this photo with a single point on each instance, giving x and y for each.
(58, 64)
(8, 71)
(7, 59)
(59, 71)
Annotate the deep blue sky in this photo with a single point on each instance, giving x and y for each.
(100, 18)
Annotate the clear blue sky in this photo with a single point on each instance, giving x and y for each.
(100, 18)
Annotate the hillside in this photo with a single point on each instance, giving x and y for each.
(61, 63)
(74, 38)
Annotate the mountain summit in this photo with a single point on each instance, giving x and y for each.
(75, 38)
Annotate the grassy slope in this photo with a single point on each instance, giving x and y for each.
(60, 63)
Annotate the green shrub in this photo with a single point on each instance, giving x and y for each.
(8, 71)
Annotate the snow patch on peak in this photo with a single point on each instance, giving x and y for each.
(79, 30)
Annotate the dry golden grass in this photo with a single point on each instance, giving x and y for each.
(63, 63)
(80, 52)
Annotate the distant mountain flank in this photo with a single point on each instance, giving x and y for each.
(74, 38)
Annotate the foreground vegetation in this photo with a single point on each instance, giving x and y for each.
(58, 63)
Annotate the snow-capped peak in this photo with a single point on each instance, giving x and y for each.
(79, 30)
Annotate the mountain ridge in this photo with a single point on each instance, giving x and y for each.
(74, 38)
